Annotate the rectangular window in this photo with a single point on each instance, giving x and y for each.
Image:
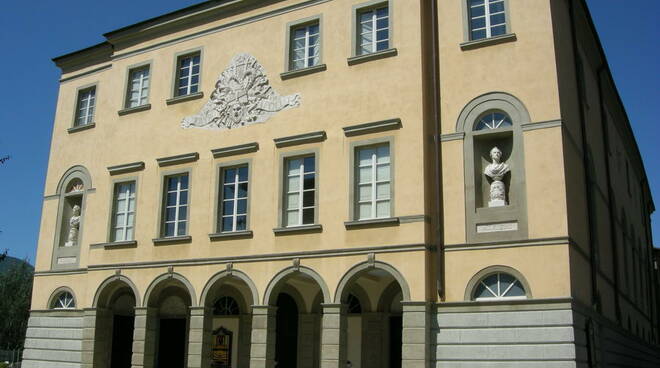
(123, 215)
(85, 106)
(373, 189)
(305, 46)
(187, 74)
(487, 18)
(299, 191)
(373, 30)
(138, 87)
(233, 208)
(176, 205)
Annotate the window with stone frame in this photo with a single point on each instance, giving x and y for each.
(175, 214)
(234, 199)
(123, 212)
(305, 45)
(138, 87)
(187, 74)
(300, 191)
(372, 29)
(487, 18)
(373, 182)
(85, 106)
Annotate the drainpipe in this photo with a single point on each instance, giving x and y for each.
(593, 261)
(438, 223)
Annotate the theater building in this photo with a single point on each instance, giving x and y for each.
(345, 183)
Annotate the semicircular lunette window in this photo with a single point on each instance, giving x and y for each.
(226, 306)
(493, 120)
(499, 286)
(64, 301)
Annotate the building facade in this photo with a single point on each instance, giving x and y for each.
(345, 183)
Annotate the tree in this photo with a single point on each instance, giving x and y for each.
(4, 159)
(15, 293)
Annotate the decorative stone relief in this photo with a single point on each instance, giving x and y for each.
(242, 96)
(496, 171)
(74, 225)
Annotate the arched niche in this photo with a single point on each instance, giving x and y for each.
(72, 192)
(493, 152)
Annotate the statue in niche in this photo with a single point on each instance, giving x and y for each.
(74, 225)
(242, 96)
(496, 171)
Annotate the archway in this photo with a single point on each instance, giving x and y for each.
(168, 299)
(372, 294)
(115, 303)
(297, 293)
(228, 297)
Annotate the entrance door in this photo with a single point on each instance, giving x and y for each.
(172, 343)
(286, 332)
(122, 341)
(396, 331)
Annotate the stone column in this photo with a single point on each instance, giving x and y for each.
(144, 337)
(262, 351)
(333, 336)
(88, 337)
(416, 339)
(199, 326)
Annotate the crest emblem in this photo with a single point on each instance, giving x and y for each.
(242, 96)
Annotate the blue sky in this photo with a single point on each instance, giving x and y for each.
(36, 31)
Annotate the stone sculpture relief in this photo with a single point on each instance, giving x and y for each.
(496, 171)
(74, 225)
(242, 96)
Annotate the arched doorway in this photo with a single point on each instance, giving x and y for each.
(286, 332)
(227, 298)
(115, 319)
(297, 294)
(372, 297)
(169, 303)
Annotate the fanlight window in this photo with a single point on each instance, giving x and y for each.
(226, 306)
(499, 286)
(354, 305)
(64, 301)
(493, 120)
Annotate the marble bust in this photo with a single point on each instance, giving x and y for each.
(74, 225)
(496, 171)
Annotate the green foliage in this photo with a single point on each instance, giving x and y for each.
(15, 294)
(4, 365)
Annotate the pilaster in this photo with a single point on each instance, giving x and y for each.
(262, 351)
(333, 336)
(416, 344)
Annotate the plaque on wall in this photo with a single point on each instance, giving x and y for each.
(497, 227)
(221, 352)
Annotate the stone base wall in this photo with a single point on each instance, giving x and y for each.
(528, 334)
(607, 344)
(54, 339)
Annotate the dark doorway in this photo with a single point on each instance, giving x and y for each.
(122, 341)
(286, 327)
(396, 331)
(172, 343)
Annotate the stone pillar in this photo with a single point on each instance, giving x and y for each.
(144, 337)
(88, 337)
(262, 351)
(309, 343)
(333, 336)
(199, 326)
(374, 340)
(244, 330)
(416, 339)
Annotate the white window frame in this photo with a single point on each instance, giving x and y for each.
(85, 106)
(374, 29)
(373, 199)
(143, 92)
(190, 65)
(236, 182)
(301, 190)
(499, 294)
(177, 205)
(115, 211)
(64, 300)
(306, 60)
(487, 15)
